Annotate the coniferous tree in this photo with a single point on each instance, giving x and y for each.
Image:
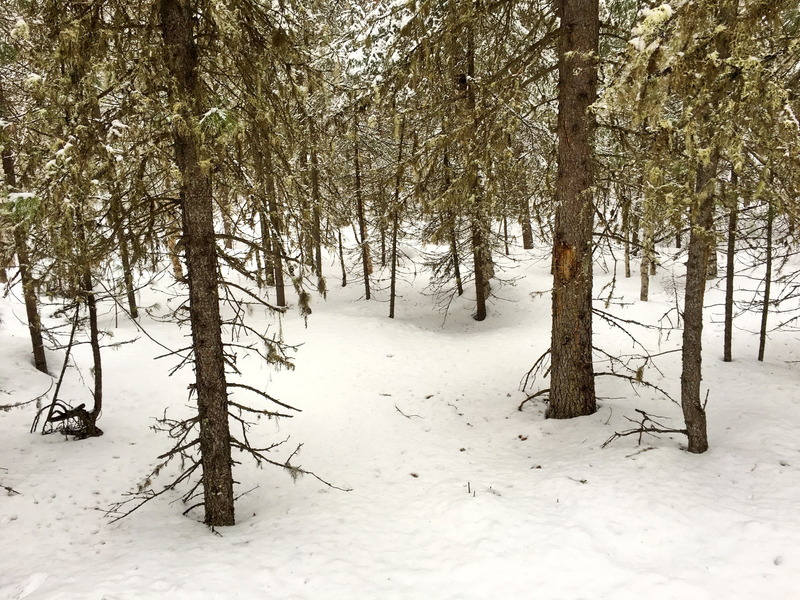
(572, 391)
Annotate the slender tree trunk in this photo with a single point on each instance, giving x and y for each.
(455, 255)
(266, 243)
(174, 255)
(23, 260)
(115, 212)
(227, 221)
(647, 257)
(396, 218)
(626, 232)
(525, 222)
(341, 258)
(276, 230)
(94, 342)
(712, 269)
(479, 261)
(181, 58)
(730, 269)
(692, 352)
(452, 219)
(479, 220)
(316, 209)
(762, 337)
(572, 391)
(362, 219)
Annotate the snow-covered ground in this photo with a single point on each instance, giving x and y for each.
(455, 494)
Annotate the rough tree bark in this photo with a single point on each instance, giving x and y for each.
(572, 391)
(692, 352)
(181, 59)
(23, 260)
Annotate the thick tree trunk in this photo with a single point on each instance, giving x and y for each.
(692, 351)
(572, 391)
(180, 55)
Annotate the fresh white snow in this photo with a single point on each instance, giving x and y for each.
(455, 493)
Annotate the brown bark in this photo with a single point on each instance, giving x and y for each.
(23, 260)
(395, 214)
(31, 302)
(90, 424)
(525, 222)
(692, 351)
(115, 212)
(362, 219)
(180, 55)
(276, 237)
(730, 270)
(572, 391)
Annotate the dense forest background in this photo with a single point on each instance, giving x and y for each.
(236, 147)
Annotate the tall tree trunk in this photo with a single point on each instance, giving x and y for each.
(395, 213)
(275, 219)
(362, 219)
(181, 58)
(316, 211)
(23, 260)
(452, 220)
(572, 391)
(479, 221)
(730, 269)
(692, 352)
(762, 336)
(702, 241)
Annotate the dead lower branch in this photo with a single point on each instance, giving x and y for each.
(647, 425)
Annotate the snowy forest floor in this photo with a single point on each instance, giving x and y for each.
(455, 493)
